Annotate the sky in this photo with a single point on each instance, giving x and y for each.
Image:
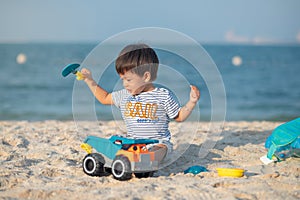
(208, 21)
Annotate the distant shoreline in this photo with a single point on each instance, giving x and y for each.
(95, 43)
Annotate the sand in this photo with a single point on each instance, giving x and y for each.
(42, 160)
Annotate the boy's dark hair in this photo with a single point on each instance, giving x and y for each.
(138, 58)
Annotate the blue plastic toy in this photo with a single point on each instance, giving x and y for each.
(195, 169)
(120, 156)
(284, 141)
(72, 68)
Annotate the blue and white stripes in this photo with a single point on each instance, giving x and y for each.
(148, 114)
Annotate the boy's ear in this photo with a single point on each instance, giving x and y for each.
(147, 76)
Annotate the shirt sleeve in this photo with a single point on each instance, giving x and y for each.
(117, 97)
(172, 105)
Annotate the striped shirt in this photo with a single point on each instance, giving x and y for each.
(147, 115)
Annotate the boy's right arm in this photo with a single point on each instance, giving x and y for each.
(101, 95)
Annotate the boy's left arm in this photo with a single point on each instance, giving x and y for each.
(186, 110)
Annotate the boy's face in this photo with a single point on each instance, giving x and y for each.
(133, 83)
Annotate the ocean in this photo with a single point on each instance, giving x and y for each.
(261, 82)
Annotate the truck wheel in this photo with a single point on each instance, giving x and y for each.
(93, 164)
(144, 174)
(121, 169)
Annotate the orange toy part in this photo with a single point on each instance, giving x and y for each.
(134, 152)
(138, 148)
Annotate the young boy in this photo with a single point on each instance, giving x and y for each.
(146, 109)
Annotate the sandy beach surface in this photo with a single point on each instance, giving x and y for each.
(42, 160)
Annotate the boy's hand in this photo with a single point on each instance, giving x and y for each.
(194, 94)
(87, 75)
(189, 106)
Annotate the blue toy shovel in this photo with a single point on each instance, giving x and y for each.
(71, 68)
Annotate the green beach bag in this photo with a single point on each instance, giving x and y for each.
(284, 141)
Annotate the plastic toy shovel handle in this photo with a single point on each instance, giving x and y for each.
(79, 76)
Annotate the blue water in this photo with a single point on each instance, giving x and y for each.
(264, 87)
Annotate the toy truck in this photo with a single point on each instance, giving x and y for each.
(120, 156)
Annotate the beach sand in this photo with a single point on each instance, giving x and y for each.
(42, 160)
